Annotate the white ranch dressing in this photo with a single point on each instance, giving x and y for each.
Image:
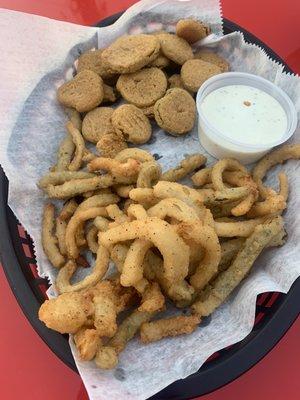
(245, 114)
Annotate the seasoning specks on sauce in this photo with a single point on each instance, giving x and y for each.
(246, 114)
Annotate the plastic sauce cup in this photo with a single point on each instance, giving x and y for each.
(221, 146)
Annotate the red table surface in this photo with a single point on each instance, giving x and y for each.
(28, 369)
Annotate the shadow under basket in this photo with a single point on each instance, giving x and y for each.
(275, 312)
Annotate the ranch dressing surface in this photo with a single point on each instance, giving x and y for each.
(245, 114)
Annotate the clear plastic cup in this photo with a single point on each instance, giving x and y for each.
(221, 146)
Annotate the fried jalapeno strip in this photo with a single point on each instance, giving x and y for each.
(77, 219)
(174, 326)
(240, 178)
(229, 279)
(185, 167)
(278, 156)
(149, 174)
(49, 240)
(78, 141)
(60, 177)
(107, 356)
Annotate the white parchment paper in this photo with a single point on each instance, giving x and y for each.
(37, 56)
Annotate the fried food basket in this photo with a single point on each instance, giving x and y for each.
(275, 312)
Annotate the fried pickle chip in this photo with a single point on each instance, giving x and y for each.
(191, 30)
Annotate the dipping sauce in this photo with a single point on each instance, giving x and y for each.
(245, 114)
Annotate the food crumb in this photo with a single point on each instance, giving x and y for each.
(120, 374)
(247, 103)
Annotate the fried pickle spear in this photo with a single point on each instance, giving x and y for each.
(174, 326)
(229, 279)
(229, 250)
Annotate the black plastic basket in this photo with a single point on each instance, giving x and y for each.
(275, 312)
